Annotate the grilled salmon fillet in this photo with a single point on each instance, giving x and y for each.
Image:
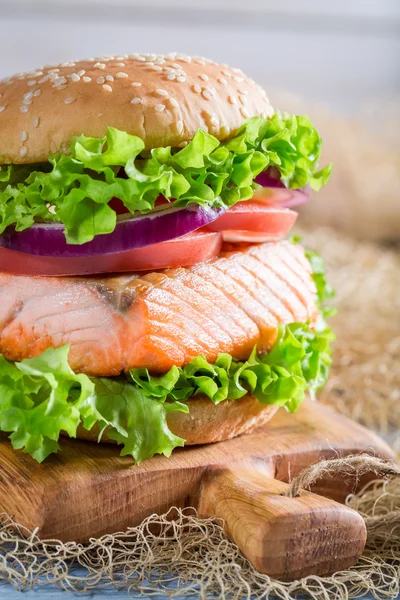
(163, 318)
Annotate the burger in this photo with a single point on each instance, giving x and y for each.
(147, 294)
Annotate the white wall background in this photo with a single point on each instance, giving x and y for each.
(345, 52)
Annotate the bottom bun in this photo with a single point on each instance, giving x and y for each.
(207, 422)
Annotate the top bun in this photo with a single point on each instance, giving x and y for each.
(161, 99)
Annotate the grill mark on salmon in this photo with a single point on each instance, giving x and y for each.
(159, 319)
(264, 318)
(270, 279)
(260, 285)
(291, 296)
(292, 279)
(302, 264)
(200, 309)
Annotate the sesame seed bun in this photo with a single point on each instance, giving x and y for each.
(207, 422)
(161, 99)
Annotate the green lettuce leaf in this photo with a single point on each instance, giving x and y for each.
(40, 397)
(76, 189)
(298, 363)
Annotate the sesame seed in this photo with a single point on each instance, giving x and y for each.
(108, 88)
(211, 89)
(181, 78)
(99, 65)
(119, 64)
(59, 81)
(199, 61)
(121, 75)
(206, 94)
(61, 87)
(33, 82)
(100, 80)
(136, 84)
(196, 88)
(171, 76)
(69, 100)
(27, 101)
(86, 79)
(226, 73)
(155, 68)
(179, 126)
(23, 151)
(51, 71)
(176, 65)
(204, 77)
(37, 93)
(2, 108)
(109, 78)
(245, 92)
(232, 100)
(238, 79)
(75, 77)
(24, 109)
(36, 121)
(242, 99)
(174, 102)
(81, 72)
(136, 101)
(24, 135)
(182, 145)
(159, 107)
(28, 95)
(244, 112)
(222, 80)
(53, 147)
(161, 92)
(214, 121)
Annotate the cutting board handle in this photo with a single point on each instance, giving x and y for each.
(285, 537)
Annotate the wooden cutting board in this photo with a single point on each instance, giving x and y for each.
(87, 490)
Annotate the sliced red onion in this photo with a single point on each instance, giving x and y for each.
(48, 239)
(270, 178)
(281, 197)
(274, 191)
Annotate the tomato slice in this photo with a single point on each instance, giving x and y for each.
(254, 222)
(187, 250)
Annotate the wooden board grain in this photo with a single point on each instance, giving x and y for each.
(88, 490)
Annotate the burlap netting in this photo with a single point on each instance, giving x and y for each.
(194, 554)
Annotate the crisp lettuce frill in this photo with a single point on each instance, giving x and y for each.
(76, 189)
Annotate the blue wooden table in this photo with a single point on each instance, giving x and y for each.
(51, 593)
